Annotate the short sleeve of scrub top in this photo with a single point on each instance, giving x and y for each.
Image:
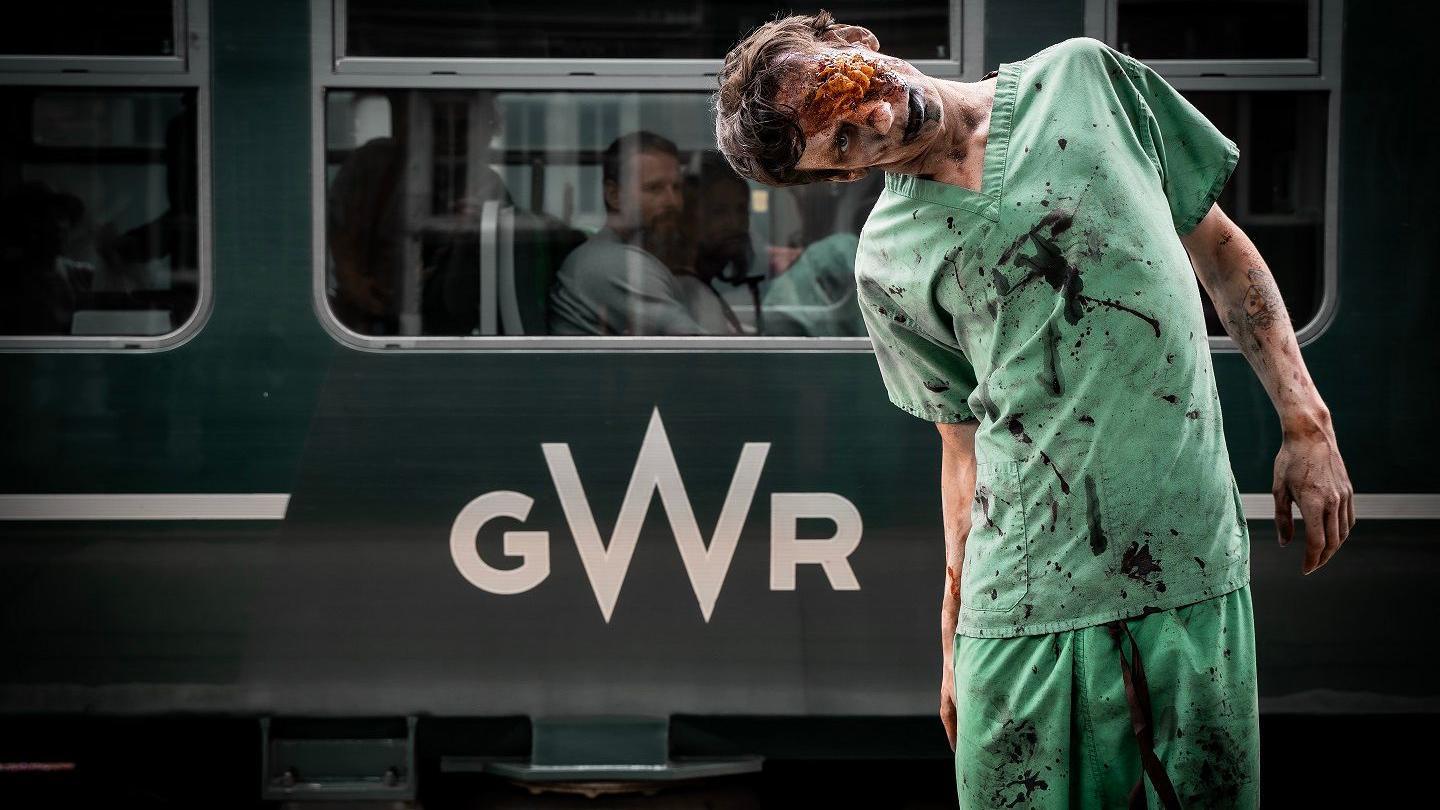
(923, 375)
(1195, 158)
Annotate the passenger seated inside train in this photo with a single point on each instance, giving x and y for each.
(813, 291)
(717, 222)
(366, 225)
(636, 275)
(43, 285)
(173, 233)
(363, 233)
(98, 232)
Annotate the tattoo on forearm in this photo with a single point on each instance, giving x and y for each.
(1259, 309)
(1262, 301)
(1255, 316)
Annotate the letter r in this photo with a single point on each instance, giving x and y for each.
(787, 551)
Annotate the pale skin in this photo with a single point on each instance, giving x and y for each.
(949, 148)
(957, 490)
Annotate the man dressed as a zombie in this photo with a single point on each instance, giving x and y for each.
(1026, 279)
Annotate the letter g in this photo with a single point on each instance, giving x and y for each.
(533, 548)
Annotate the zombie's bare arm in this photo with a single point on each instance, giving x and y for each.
(1308, 470)
(957, 490)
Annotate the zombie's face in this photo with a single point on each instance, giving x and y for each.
(859, 109)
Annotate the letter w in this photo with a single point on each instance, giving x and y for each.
(656, 469)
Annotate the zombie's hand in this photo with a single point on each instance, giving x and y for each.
(947, 703)
(1309, 472)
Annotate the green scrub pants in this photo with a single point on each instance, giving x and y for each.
(1159, 710)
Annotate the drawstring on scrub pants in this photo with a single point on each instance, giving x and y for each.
(1137, 694)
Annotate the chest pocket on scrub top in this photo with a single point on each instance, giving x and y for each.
(996, 575)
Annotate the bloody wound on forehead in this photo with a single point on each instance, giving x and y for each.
(844, 82)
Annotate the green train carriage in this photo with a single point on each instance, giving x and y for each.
(226, 497)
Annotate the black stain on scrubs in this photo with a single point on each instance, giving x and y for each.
(1221, 776)
(1064, 486)
(1052, 349)
(1137, 563)
(1049, 264)
(982, 494)
(1017, 429)
(1016, 777)
(1098, 542)
(1058, 221)
(1002, 284)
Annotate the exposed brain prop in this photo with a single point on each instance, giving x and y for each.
(844, 82)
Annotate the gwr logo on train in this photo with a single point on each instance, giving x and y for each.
(655, 469)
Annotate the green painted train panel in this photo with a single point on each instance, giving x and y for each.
(354, 603)
(229, 411)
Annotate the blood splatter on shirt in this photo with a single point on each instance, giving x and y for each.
(1056, 305)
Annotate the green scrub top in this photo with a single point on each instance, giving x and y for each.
(1058, 307)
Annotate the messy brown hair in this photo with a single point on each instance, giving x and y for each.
(762, 139)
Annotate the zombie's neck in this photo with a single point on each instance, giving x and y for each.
(956, 154)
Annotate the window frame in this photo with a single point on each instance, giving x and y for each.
(1326, 21)
(331, 72)
(182, 14)
(345, 63)
(188, 70)
(1106, 28)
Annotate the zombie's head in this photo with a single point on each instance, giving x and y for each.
(804, 98)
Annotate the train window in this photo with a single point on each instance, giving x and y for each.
(98, 191)
(1270, 96)
(457, 213)
(103, 175)
(1205, 29)
(1214, 38)
(1278, 191)
(92, 28)
(583, 30)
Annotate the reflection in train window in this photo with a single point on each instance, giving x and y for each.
(456, 213)
(641, 29)
(1206, 29)
(1277, 193)
(91, 28)
(98, 226)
